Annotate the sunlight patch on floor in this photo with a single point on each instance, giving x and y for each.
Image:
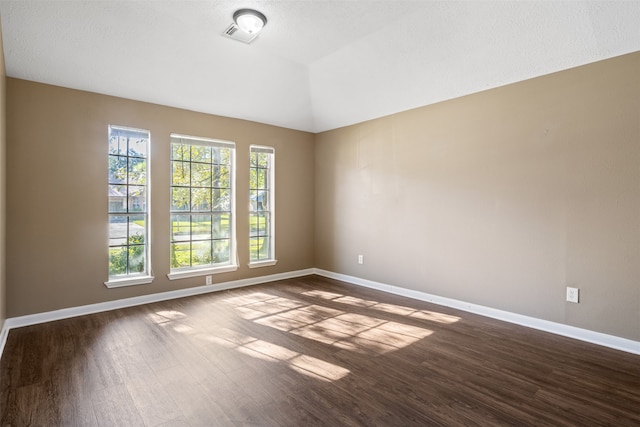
(379, 338)
(301, 363)
(350, 331)
(267, 351)
(433, 316)
(163, 316)
(183, 329)
(355, 332)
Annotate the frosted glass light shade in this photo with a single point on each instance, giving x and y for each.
(249, 20)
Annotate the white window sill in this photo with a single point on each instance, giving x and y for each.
(201, 272)
(259, 264)
(129, 281)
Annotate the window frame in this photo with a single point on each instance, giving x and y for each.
(146, 276)
(271, 260)
(207, 269)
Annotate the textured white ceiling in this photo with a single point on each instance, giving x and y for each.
(318, 64)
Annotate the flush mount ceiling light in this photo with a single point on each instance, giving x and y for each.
(247, 23)
(249, 20)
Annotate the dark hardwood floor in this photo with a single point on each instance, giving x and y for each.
(305, 352)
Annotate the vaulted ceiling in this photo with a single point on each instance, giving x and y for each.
(318, 64)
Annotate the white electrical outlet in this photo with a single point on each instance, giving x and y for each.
(208, 280)
(360, 259)
(573, 294)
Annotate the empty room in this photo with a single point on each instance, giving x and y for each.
(319, 213)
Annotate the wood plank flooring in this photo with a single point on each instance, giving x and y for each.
(308, 352)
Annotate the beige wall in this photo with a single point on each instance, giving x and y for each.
(57, 204)
(3, 79)
(501, 198)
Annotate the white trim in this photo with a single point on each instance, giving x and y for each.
(233, 243)
(586, 335)
(262, 149)
(4, 333)
(271, 151)
(148, 273)
(266, 263)
(201, 272)
(598, 338)
(65, 313)
(201, 140)
(129, 281)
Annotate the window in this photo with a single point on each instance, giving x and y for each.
(202, 206)
(261, 207)
(128, 207)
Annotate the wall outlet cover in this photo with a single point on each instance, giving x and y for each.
(573, 294)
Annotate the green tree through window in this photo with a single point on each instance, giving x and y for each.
(201, 202)
(261, 196)
(128, 202)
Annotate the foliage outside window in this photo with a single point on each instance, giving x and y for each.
(128, 203)
(202, 208)
(261, 209)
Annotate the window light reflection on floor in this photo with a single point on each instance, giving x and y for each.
(166, 316)
(350, 331)
(253, 347)
(355, 332)
(389, 308)
(359, 333)
(270, 352)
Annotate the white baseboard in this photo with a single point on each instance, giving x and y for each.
(65, 313)
(586, 335)
(4, 332)
(605, 340)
